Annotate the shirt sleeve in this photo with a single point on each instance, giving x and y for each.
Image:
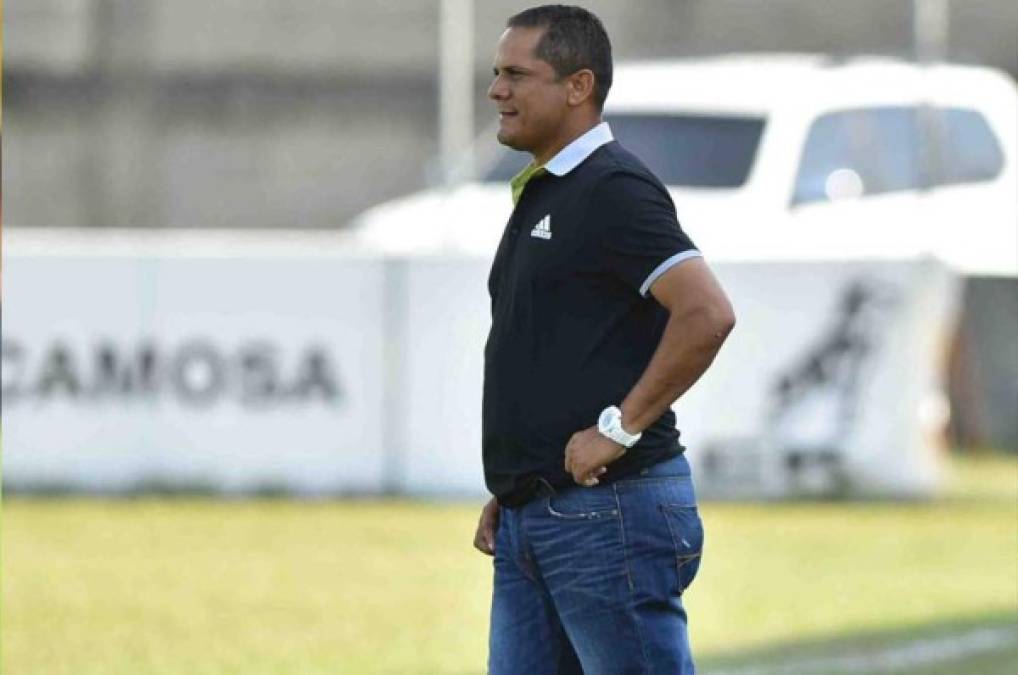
(641, 238)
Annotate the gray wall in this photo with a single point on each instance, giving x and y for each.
(983, 375)
(262, 113)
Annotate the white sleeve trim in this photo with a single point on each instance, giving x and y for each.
(667, 265)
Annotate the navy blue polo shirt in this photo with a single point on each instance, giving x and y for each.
(573, 323)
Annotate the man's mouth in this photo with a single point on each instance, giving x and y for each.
(502, 114)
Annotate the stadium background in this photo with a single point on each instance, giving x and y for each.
(265, 115)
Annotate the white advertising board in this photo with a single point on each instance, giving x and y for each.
(238, 374)
(831, 383)
(447, 316)
(320, 374)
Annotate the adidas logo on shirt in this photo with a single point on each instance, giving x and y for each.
(543, 228)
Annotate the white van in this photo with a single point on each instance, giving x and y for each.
(783, 157)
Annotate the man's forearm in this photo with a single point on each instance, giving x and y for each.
(687, 348)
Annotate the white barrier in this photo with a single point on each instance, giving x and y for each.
(318, 373)
(832, 382)
(235, 373)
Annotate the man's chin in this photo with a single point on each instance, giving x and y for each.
(509, 140)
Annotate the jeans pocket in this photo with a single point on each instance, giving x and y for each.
(583, 504)
(686, 529)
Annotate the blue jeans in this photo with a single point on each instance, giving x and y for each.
(588, 580)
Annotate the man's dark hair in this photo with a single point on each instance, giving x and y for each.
(573, 39)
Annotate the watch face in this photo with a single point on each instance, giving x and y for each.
(605, 421)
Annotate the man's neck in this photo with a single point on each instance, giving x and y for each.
(571, 134)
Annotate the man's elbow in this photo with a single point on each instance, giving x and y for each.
(711, 321)
(716, 320)
(709, 316)
(722, 320)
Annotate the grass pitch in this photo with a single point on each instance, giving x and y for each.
(202, 587)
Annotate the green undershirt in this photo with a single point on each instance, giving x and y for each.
(519, 181)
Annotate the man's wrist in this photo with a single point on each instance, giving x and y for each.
(628, 427)
(609, 424)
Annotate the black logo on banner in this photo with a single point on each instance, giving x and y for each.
(197, 373)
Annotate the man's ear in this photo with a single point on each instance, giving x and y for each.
(580, 87)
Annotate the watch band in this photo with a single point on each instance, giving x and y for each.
(609, 423)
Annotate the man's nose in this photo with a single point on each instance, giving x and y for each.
(497, 91)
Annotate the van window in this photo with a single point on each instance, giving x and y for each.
(707, 151)
(969, 151)
(859, 152)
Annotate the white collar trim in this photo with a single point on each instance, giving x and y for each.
(569, 157)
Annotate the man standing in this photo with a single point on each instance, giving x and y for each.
(603, 314)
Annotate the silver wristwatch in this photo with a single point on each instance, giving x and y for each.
(609, 423)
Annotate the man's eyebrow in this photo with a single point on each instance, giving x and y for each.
(517, 70)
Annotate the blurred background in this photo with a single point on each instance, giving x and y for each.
(244, 261)
(259, 114)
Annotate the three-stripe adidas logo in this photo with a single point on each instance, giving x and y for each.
(543, 228)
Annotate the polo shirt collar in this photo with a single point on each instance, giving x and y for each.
(569, 157)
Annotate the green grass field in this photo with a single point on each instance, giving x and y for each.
(195, 587)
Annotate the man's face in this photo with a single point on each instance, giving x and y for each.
(531, 99)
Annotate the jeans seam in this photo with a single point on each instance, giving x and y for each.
(649, 479)
(680, 560)
(524, 561)
(645, 666)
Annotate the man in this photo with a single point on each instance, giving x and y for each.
(603, 314)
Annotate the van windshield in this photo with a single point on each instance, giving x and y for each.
(707, 151)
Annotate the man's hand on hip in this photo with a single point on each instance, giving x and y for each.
(588, 455)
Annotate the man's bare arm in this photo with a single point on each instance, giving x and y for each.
(700, 318)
